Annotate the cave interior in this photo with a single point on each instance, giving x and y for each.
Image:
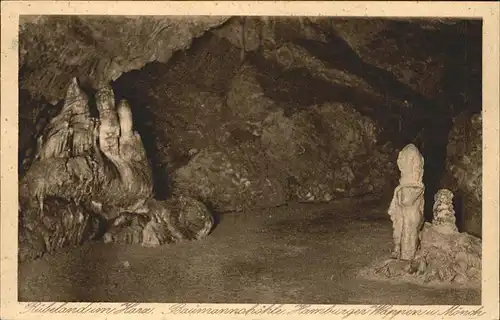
(308, 113)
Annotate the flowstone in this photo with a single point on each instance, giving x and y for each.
(91, 176)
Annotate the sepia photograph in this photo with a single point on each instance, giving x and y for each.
(249, 159)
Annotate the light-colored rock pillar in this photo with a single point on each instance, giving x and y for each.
(407, 205)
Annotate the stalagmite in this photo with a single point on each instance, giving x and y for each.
(407, 206)
(94, 174)
(443, 255)
(444, 214)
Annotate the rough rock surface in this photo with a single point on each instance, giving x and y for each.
(237, 145)
(34, 116)
(443, 259)
(170, 221)
(464, 167)
(272, 158)
(92, 173)
(450, 256)
(62, 224)
(444, 213)
(89, 160)
(391, 45)
(444, 256)
(53, 49)
(226, 183)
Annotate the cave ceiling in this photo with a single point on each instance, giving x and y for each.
(392, 70)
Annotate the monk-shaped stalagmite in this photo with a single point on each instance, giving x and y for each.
(426, 253)
(407, 206)
(91, 177)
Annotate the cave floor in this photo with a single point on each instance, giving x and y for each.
(298, 253)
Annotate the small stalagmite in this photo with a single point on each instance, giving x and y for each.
(426, 253)
(444, 214)
(407, 206)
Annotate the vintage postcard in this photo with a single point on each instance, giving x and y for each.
(291, 160)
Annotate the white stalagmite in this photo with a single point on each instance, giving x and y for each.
(407, 205)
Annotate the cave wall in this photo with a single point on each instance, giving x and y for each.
(258, 111)
(464, 164)
(222, 137)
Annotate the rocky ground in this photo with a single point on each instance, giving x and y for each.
(299, 253)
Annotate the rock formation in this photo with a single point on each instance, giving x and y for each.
(407, 206)
(444, 257)
(444, 214)
(447, 255)
(95, 169)
(450, 259)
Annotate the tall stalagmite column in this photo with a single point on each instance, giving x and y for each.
(407, 205)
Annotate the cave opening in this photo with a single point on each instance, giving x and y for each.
(293, 136)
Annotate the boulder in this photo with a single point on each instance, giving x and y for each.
(174, 220)
(264, 157)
